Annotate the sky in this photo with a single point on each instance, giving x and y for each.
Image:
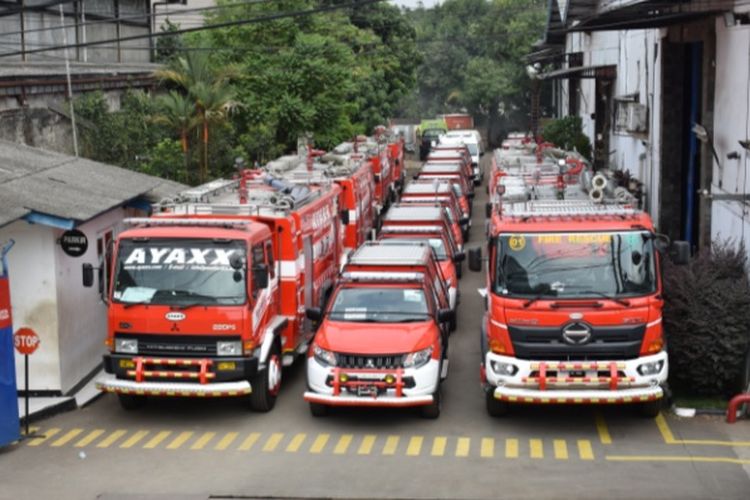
(413, 3)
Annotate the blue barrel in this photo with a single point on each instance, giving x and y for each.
(10, 429)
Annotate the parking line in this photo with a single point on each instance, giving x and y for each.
(601, 428)
(561, 449)
(390, 445)
(666, 432)
(273, 441)
(227, 440)
(202, 441)
(156, 440)
(438, 446)
(89, 438)
(669, 458)
(415, 446)
(133, 440)
(462, 447)
(511, 448)
(107, 442)
(319, 443)
(488, 448)
(343, 444)
(584, 449)
(70, 435)
(179, 440)
(249, 441)
(536, 448)
(668, 436)
(296, 442)
(41, 439)
(367, 443)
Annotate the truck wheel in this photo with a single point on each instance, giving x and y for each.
(495, 407)
(131, 402)
(432, 410)
(651, 409)
(318, 410)
(459, 270)
(454, 322)
(267, 382)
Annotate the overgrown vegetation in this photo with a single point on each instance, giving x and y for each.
(567, 133)
(707, 321)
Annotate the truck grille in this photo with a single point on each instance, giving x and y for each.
(183, 346)
(368, 361)
(605, 343)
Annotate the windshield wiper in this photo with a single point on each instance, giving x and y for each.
(622, 302)
(128, 305)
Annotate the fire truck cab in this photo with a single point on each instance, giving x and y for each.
(442, 192)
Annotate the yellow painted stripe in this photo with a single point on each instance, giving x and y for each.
(462, 447)
(584, 449)
(415, 446)
(391, 443)
(202, 441)
(156, 440)
(67, 437)
(89, 438)
(365, 448)
(107, 441)
(273, 441)
(343, 444)
(669, 458)
(41, 439)
(249, 441)
(511, 448)
(601, 428)
(296, 442)
(666, 432)
(561, 449)
(487, 449)
(711, 442)
(179, 440)
(227, 440)
(319, 443)
(536, 449)
(133, 440)
(32, 430)
(438, 446)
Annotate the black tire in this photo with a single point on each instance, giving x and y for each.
(651, 409)
(432, 410)
(131, 402)
(495, 407)
(318, 410)
(263, 397)
(454, 322)
(459, 270)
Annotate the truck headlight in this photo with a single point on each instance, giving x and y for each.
(505, 369)
(418, 359)
(126, 346)
(229, 348)
(651, 368)
(325, 358)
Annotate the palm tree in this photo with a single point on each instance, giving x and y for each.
(177, 113)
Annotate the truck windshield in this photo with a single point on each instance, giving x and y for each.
(179, 272)
(379, 305)
(575, 265)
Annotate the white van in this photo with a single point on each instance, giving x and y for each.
(473, 140)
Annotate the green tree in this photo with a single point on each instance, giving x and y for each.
(168, 46)
(177, 113)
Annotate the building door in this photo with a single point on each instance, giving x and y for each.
(602, 123)
(691, 153)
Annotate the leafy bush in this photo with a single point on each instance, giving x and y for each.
(567, 133)
(707, 321)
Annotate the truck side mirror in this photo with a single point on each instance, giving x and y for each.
(88, 275)
(459, 257)
(488, 210)
(679, 252)
(445, 315)
(344, 217)
(260, 276)
(475, 259)
(464, 220)
(314, 313)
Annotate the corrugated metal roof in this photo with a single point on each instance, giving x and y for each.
(36, 180)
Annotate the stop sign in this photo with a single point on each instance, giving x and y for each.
(26, 341)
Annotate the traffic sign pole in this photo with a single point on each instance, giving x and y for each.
(26, 386)
(26, 342)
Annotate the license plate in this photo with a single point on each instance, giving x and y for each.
(367, 390)
(577, 374)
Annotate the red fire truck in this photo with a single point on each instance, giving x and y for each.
(207, 297)
(383, 341)
(438, 191)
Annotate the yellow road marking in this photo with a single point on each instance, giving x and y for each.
(319, 443)
(273, 441)
(536, 449)
(224, 443)
(584, 449)
(668, 458)
(249, 441)
(601, 428)
(296, 442)
(202, 441)
(462, 447)
(89, 438)
(367, 443)
(32, 430)
(415, 446)
(133, 440)
(390, 445)
(511, 448)
(107, 441)
(156, 440)
(438, 446)
(666, 432)
(179, 440)
(66, 437)
(668, 436)
(487, 449)
(47, 435)
(343, 444)
(561, 449)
